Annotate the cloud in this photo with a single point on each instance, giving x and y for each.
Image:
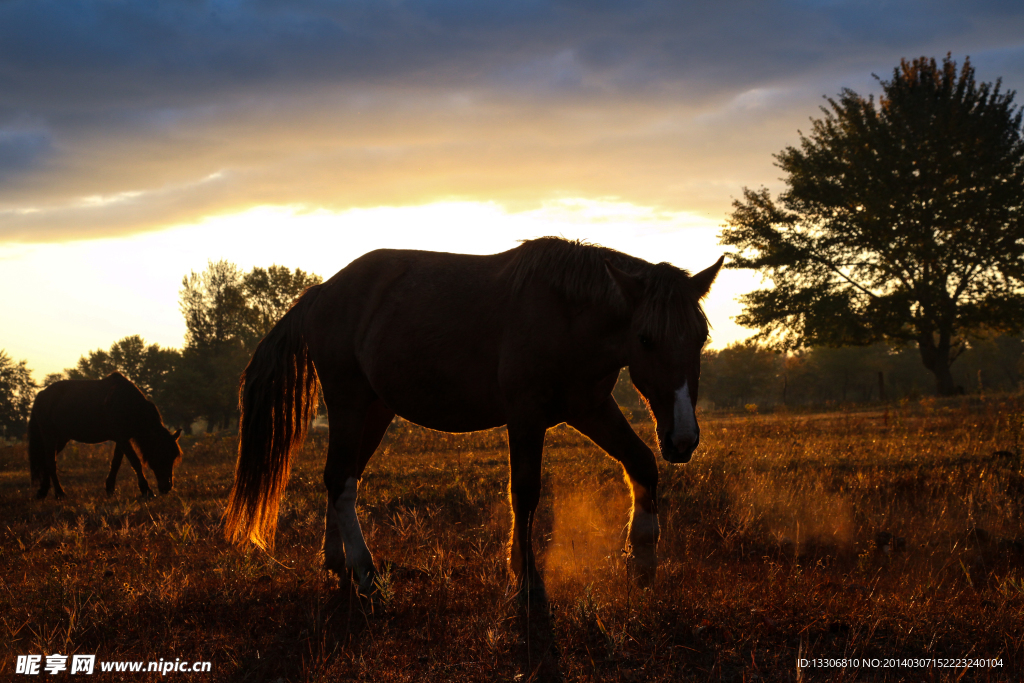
(341, 104)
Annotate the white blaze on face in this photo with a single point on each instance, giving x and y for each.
(684, 428)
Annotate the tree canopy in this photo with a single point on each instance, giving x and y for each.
(227, 312)
(901, 221)
(146, 366)
(269, 293)
(224, 306)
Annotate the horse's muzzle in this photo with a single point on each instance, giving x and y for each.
(677, 454)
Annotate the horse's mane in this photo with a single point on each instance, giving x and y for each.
(669, 306)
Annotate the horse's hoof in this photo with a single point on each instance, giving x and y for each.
(110, 492)
(146, 495)
(642, 565)
(41, 494)
(372, 600)
(532, 592)
(336, 565)
(60, 495)
(367, 585)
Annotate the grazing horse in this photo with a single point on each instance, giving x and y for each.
(528, 338)
(94, 411)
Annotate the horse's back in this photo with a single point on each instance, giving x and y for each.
(423, 328)
(452, 342)
(76, 409)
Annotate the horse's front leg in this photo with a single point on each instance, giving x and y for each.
(525, 452)
(115, 465)
(352, 442)
(609, 429)
(126, 448)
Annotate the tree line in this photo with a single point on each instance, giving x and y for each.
(227, 312)
(750, 374)
(753, 376)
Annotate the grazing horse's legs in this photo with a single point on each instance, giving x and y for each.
(525, 451)
(115, 465)
(49, 455)
(354, 437)
(610, 430)
(44, 486)
(125, 447)
(45, 447)
(50, 470)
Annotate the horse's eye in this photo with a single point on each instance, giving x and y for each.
(646, 342)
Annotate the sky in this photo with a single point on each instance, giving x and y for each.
(141, 140)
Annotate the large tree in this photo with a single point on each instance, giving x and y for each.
(901, 220)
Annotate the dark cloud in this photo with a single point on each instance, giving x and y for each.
(72, 55)
(22, 150)
(351, 103)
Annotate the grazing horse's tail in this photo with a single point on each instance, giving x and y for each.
(277, 397)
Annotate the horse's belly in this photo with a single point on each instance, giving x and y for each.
(438, 378)
(446, 413)
(440, 399)
(449, 423)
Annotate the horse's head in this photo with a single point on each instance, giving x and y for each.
(162, 454)
(667, 334)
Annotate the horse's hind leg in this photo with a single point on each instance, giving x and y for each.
(44, 484)
(43, 472)
(115, 465)
(51, 470)
(43, 449)
(610, 430)
(133, 460)
(354, 436)
(525, 450)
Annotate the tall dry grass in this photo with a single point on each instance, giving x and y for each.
(890, 534)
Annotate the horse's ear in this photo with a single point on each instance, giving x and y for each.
(176, 434)
(702, 281)
(632, 287)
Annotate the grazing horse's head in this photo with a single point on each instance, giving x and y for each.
(162, 452)
(667, 334)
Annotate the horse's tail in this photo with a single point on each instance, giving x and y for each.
(277, 396)
(36, 450)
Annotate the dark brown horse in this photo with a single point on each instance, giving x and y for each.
(528, 338)
(94, 411)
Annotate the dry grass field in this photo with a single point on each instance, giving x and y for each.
(890, 535)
